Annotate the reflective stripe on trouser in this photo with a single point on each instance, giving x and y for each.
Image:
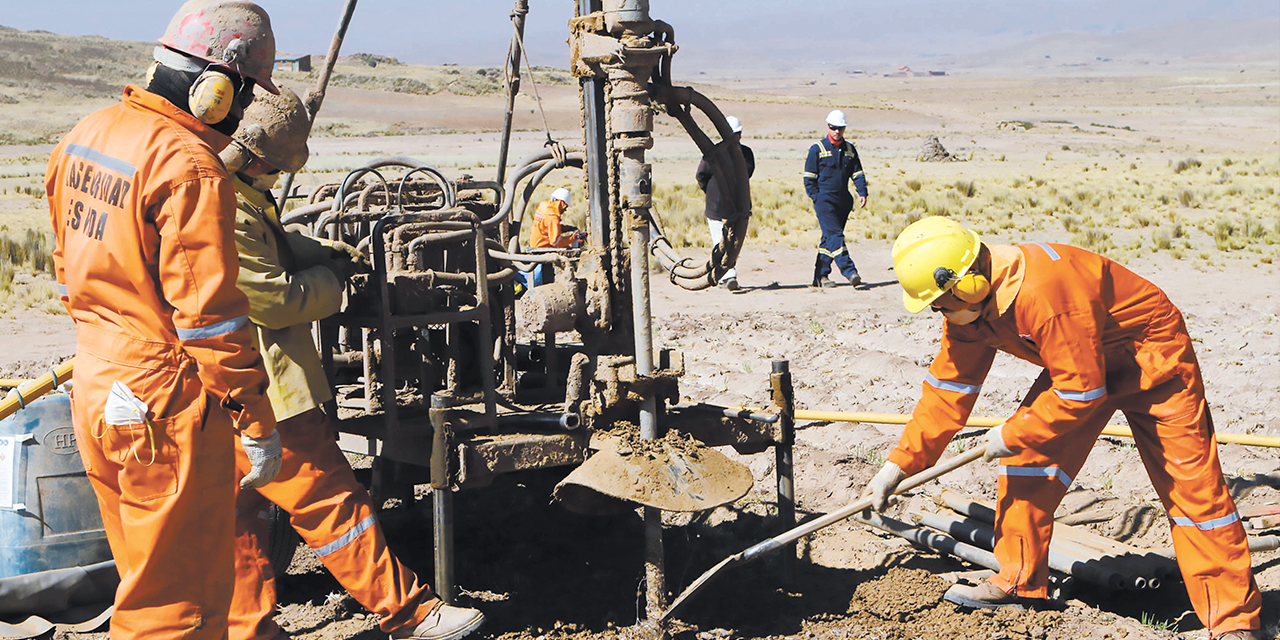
(332, 512)
(716, 227)
(1172, 430)
(169, 518)
(832, 217)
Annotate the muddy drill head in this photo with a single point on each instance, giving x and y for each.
(275, 129)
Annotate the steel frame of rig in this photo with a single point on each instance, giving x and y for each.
(428, 373)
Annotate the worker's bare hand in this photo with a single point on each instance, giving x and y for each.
(996, 447)
(883, 485)
(862, 202)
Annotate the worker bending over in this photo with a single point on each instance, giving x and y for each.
(166, 367)
(292, 281)
(1108, 340)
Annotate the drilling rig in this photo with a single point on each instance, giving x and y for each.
(430, 375)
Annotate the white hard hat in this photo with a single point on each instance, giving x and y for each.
(836, 119)
(563, 195)
(735, 125)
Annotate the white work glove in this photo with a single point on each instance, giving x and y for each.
(996, 447)
(883, 485)
(264, 459)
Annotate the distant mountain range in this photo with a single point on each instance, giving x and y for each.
(1210, 40)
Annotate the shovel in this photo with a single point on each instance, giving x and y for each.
(783, 539)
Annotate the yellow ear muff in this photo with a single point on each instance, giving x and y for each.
(972, 288)
(211, 96)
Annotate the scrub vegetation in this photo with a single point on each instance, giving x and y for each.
(1226, 207)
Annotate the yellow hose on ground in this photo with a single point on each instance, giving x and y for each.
(986, 421)
(32, 389)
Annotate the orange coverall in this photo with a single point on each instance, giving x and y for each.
(142, 214)
(546, 226)
(316, 487)
(1108, 340)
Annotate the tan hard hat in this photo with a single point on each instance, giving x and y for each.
(275, 128)
(233, 33)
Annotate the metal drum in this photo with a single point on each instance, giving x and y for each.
(48, 513)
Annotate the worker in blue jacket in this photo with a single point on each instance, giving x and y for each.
(832, 162)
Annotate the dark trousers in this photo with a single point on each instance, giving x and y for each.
(832, 216)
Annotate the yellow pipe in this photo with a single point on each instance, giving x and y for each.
(984, 421)
(12, 382)
(32, 389)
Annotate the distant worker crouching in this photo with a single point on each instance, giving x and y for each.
(719, 203)
(549, 233)
(291, 281)
(832, 163)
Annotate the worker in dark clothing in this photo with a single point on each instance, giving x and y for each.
(719, 203)
(832, 163)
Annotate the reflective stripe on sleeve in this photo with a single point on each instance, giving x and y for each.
(213, 330)
(1037, 472)
(346, 538)
(1082, 396)
(1207, 525)
(808, 174)
(1053, 255)
(857, 175)
(947, 385)
(104, 160)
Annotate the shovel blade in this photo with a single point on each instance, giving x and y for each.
(662, 475)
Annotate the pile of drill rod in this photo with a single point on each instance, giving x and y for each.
(1074, 551)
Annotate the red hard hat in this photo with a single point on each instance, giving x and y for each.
(232, 33)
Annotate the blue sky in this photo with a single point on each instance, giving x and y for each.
(476, 32)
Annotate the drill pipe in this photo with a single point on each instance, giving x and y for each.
(1072, 560)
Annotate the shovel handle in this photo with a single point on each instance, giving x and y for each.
(863, 504)
(807, 528)
(32, 389)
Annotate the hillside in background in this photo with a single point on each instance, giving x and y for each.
(49, 81)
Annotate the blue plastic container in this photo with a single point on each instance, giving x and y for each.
(49, 516)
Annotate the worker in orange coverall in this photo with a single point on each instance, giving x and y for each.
(549, 233)
(293, 280)
(166, 368)
(1108, 340)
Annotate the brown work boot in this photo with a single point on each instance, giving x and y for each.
(445, 622)
(1239, 634)
(983, 596)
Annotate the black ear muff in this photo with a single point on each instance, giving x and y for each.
(211, 96)
(972, 288)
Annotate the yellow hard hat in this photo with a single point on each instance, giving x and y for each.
(929, 256)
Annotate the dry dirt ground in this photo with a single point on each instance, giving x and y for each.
(541, 572)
